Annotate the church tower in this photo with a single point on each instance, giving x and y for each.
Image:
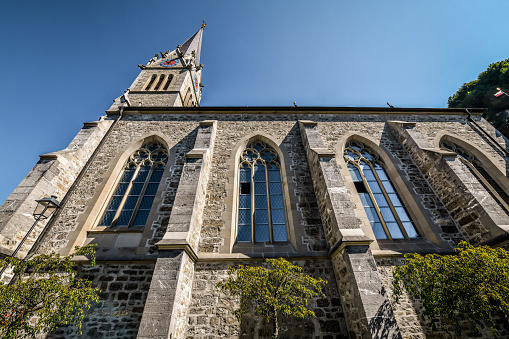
(169, 79)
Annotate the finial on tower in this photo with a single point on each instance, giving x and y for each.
(203, 24)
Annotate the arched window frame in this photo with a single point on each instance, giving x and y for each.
(476, 167)
(152, 154)
(150, 82)
(357, 148)
(252, 156)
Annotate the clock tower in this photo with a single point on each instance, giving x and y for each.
(169, 79)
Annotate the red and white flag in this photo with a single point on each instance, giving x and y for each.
(499, 93)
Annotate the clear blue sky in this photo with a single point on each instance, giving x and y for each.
(63, 62)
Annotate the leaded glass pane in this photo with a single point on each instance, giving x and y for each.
(245, 175)
(378, 230)
(387, 214)
(136, 189)
(365, 199)
(371, 213)
(380, 200)
(381, 173)
(128, 174)
(375, 188)
(142, 176)
(245, 217)
(278, 216)
(260, 201)
(388, 186)
(368, 173)
(276, 201)
(394, 230)
(395, 199)
(115, 202)
(151, 189)
(141, 218)
(274, 176)
(279, 231)
(410, 230)
(260, 188)
(108, 218)
(354, 173)
(275, 188)
(146, 203)
(124, 217)
(245, 201)
(244, 233)
(402, 214)
(130, 202)
(261, 217)
(262, 233)
(121, 189)
(259, 175)
(156, 176)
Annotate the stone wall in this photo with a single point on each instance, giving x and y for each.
(124, 289)
(211, 311)
(408, 312)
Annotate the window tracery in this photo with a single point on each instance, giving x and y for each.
(386, 213)
(261, 215)
(475, 167)
(132, 200)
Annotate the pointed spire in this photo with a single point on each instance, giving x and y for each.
(194, 44)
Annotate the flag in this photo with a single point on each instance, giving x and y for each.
(499, 93)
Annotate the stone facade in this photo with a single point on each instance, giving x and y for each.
(159, 281)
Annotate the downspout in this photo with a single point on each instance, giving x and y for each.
(55, 216)
(486, 133)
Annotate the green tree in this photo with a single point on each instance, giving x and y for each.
(44, 294)
(479, 93)
(473, 282)
(279, 290)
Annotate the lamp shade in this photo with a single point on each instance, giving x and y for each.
(45, 207)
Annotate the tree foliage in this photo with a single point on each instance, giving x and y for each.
(44, 294)
(279, 290)
(474, 282)
(479, 93)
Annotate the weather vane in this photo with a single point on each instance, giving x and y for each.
(203, 24)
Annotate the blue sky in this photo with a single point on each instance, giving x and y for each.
(63, 62)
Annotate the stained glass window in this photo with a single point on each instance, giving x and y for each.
(388, 217)
(475, 166)
(132, 200)
(261, 214)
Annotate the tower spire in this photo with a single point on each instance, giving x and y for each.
(194, 44)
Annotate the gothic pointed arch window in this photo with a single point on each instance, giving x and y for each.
(386, 213)
(475, 167)
(261, 213)
(132, 199)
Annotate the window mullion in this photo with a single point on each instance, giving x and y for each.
(377, 209)
(140, 197)
(124, 198)
(269, 214)
(389, 202)
(252, 205)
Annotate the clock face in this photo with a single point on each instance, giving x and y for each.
(169, 62)
(196, 84)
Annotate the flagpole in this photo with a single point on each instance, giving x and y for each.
(500, 92)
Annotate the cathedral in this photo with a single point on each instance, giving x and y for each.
(173, 193)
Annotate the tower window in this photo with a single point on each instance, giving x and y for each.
(388, 217)
(132, 200)
(475, 167)
(261, 215)
(168, 82)
(150, 83)
(161, 79)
